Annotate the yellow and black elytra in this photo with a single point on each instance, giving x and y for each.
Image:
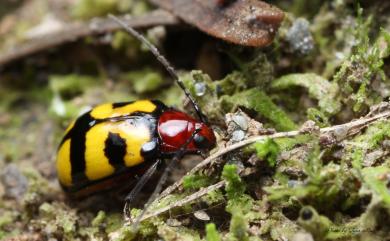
(117, 141)
(106, 141)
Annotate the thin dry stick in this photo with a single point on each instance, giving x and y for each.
(185, 200)
(347, 127)
(74, 31)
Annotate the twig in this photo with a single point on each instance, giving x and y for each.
(185, 200)
(346, 128)
(75, 31)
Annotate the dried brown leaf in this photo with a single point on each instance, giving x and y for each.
(244, 22)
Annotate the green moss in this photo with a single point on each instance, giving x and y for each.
(306, 7)
(122, 40)
(267, 150)
(318, 117)
(238, 227)
(7, 219)
(324, 188)
(83, 10)
(112, 221)
(70, 85)
(213, 198)
(174, 233)
(126, 233)
(99, 219)
(196, 181)
(144, 81)
(135, 7)
(258, 101)
(258, 72)
(239, 204)
(234, 185)
(127, 44)
(318, 88)
(358, 147)
(374, 134)
(376, 180)
(362, 67)
(278, 226)
(56, 217)
(212, 233)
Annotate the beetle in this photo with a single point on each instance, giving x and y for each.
(116, 141)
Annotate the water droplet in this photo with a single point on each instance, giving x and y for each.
(200, 89)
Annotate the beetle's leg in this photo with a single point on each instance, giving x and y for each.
(148, 151)
(175, 160)
(135, 191)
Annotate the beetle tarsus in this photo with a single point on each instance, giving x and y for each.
(138, 187)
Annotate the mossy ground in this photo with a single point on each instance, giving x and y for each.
(328, 64)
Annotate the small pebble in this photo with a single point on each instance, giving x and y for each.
(293, 183)
(309, 127)
(327, 139)
(386, 144)
(238, 135)
(202, 215)
(241, 122)
(173, 222)
(301, 236)
(372, 157)
(14, 182)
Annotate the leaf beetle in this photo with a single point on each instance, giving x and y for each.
(113, 142)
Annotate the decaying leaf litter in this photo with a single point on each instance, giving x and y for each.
(326, 68)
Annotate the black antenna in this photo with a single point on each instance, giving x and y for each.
(164, 62)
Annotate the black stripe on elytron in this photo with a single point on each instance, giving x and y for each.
(121, 104)
(77, 147)
(66, 137)
(115, 149)
(161, 107)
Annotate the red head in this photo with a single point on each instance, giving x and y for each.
(175, 128)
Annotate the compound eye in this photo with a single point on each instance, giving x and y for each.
(200, 141)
